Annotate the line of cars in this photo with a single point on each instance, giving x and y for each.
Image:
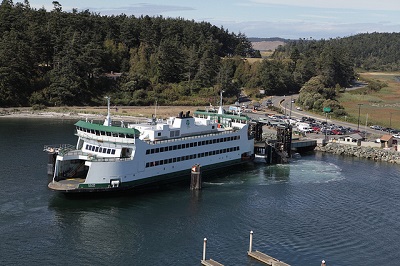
(395, 133)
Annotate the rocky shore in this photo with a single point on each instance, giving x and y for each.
(376, 154)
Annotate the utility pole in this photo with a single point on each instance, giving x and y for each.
(359, 109)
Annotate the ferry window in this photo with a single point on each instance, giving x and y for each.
(108, 134)
(156, 163)
(174, 160)
(147, 151)
(161, 162)
(178, 159)
(104, 150)
(218, 151)
(159, 134)
(179, 146)
(203, 142)
(157, 150)
(183, 158)
(238, 137)
(112, 151)
(108, 151)
(214, 141)
(187, 157)
(237, 148)
(225, 140)
(169, 160)
(102, 133)
(97, 149)
(195, 144)
(93, 147)
(97, 133)
(187, 145)
(224, 150)
(171, 134)
(206, 153)
(152, 151)
(218, 140)
(191, 157)
(162, 149)
(165, 161)
(212, 127)
(87, 146)
(192, 144)
(147, 164)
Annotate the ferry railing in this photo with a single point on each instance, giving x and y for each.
(58, 148)
(157, 141)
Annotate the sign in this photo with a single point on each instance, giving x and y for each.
(327, 109)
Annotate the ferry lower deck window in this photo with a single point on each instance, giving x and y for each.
(108, 151)
(112, 151)
(93, 147)
(147, 151)
(87, 146)
(97, 149)
(147, 164)
(162, 149)
(104, 150)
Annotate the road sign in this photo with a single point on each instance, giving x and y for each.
(327, 109)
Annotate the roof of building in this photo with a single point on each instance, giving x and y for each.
(386, 137)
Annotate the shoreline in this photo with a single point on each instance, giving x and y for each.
(129, 114)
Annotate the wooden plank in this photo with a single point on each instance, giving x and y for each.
(211, 262)
(266, 258)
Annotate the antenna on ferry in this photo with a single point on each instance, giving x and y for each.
(107, 121)
(220, 109)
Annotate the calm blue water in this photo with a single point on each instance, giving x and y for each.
(344, 210)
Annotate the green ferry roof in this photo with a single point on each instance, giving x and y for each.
(239, 117)
(99, 127)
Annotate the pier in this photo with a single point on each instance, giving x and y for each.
(209, 262)
(263, 257)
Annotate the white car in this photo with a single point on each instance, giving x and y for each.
(397, 136)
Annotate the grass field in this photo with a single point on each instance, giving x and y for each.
(381, 108)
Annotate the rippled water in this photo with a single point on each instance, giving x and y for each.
(344, 210)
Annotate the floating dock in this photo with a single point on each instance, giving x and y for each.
(211, 262)
(263, 257)
(266, 258)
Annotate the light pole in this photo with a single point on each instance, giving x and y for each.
(359, 109)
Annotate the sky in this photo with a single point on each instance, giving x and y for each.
(289, 19)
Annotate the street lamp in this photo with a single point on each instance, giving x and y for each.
(359, 108)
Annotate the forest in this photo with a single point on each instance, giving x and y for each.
(58, 58)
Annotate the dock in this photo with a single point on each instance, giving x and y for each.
(263, 257)
(211, 262)
(266, 258)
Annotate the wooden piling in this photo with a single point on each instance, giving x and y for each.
(195, 183)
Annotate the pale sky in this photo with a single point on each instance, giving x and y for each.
(289, 19)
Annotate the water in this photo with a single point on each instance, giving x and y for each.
(341, 209)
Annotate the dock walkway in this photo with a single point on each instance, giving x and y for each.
(211, 262)
(266, 258)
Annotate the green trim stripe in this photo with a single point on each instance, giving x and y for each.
(112, 129)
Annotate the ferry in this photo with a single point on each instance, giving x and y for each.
(110, 157)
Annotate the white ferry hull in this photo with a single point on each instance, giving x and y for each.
(110, 159)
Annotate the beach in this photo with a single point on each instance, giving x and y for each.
(130, 113)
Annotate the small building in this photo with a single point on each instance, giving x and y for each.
(387, 141)
(353, 139)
